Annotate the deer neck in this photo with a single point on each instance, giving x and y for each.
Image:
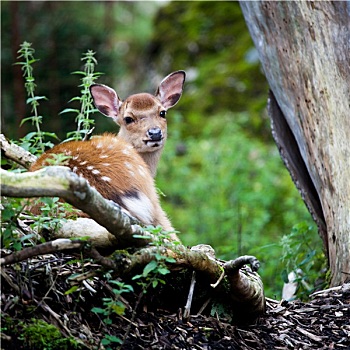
(152, 159)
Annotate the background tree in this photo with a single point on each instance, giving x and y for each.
(307, 67)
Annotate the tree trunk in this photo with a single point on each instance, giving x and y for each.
(304, 51)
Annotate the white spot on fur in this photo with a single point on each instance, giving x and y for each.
(75, 157)
(140, 207)
(106, 178)
(99, 145)
(103, 156)
(83, 163)
(75, 169)
(95, 171)
(106, 164)
(68, 153)
(128, 165)
(132, 174)
(90, 167)
(142, 171)
(126, 151)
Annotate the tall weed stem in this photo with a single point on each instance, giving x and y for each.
(84, 123)
(26, 52)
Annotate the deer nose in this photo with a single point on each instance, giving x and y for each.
(155, 134)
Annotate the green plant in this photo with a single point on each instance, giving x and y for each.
(113, 306)
(52, 214)
(84, 123)
(58, 159)
(33, 141)
(38, 335)
(10, 235)
(154, 271)
(52, 210)
(302, 256)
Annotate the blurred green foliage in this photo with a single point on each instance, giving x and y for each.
(211, 42)
(231, 191)
(224, 182)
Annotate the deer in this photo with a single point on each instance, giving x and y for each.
(122, 167)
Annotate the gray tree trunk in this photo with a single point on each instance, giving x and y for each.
(304, 48)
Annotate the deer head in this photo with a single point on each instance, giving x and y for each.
(142, 117)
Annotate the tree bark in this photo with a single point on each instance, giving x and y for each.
(304, 51)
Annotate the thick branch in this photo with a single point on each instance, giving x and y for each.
(241, 285)
(40, 249)
(61, 182)
(16, 153)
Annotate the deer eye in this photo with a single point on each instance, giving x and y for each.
(128, 120)
(162, 114)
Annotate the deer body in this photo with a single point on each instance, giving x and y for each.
(122, 167)
(112, 166)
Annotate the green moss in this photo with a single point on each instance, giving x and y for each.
(39, 334)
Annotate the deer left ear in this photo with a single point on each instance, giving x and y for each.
(106, 100)
(170, 89)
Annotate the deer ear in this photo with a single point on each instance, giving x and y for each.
(106, 100)
(170, 89)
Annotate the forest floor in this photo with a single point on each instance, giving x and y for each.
(36, 289)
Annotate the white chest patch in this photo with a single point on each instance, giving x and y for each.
(140, 207)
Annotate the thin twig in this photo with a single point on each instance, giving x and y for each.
(187, 311)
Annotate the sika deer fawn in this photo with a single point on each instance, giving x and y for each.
(121, 167)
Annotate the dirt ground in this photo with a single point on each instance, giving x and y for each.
(36, 289)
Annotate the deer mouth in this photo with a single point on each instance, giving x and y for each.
(153, 144)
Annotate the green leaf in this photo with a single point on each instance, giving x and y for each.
(154, 283)
(79, 72)
(285, 276)
(163, 270)
(118, 308)
(105, 341)
(71, 290)
(137, 277)
(25, 237)
(70, 110)
(97, 310)
(142, 237)
(152, 265)
(25, 120)
(114, 339)
(35, 98)
(7, 214)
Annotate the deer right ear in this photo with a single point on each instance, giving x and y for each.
(106, 100)
(170, 89)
